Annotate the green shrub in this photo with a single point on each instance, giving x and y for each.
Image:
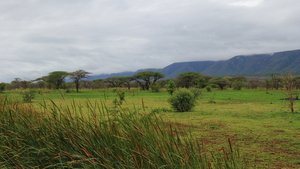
(182, 100)
(162, 109)
(237, 85)
(2, 87)
(115, 89)
(171, 87)
(214, 86)
(28, 96)
(69, 91)
(155, 88)
(197, 92)
(208, 88)
(121, 96)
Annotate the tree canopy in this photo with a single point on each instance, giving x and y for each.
(147, 78)
(77, 76)
(56, 78)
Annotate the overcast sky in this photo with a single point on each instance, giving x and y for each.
(110, 36)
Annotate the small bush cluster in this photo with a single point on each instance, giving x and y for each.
(161, 109)
(28, 96)
(155, 88)
(182, 100)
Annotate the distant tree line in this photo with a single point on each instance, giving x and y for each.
(146, 80)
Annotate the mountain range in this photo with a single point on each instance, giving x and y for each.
(279, 62)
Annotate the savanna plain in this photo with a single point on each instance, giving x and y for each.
(250, 128)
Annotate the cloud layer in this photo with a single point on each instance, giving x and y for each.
(109, 36)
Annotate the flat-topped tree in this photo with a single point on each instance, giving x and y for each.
(57, 78)
(147, 78)
(114, 81)
(221, 82)
(77, 77)
(191, 79)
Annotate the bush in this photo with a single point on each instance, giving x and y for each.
(2, 87)
(155, 88)
(69, 91)
(208, 88)
(182, 100)
(197, 93)
(28, 96)
(171, 87)
(159, 110)
(237, 85)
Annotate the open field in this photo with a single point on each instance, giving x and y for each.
(257, 123)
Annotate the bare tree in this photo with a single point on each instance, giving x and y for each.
(289, 86)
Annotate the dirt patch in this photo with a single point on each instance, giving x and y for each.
(278, 131)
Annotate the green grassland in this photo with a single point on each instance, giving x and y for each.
(257, 123)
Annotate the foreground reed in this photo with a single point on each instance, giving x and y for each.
(56, 136)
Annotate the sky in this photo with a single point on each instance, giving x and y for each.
(112, 36)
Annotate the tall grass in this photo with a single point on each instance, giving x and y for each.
(55, 136)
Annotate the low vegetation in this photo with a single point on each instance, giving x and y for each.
(56, 136)
(193, 121)
(239, 129)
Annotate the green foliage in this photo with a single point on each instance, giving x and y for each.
(28, 96)
(120, 98)
(2, 87)
(121, 95)
(100, 139)
(161, 109)
(208, 88)
(147, 78)
(57, 78)
(192, 79)
(237, 85)
(221, 82)
(69, 91)
(155, 88)
(77, 77)
(115, 89)
(171, 87)
(182, 100)
(197, 92)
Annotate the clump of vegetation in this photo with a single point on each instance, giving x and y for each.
(2, 87)
(115, 89)
(182, 100)
(171, 87)
(197, 92)
(161, 109)
(208, 88)
(28, 96)
(52, 139)
(237, 85)
(119, 99)
(69, 91)
(155, 88)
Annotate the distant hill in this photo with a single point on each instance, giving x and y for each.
(280, 62)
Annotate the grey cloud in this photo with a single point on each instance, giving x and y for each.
(122, 35)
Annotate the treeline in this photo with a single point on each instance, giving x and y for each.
(146, 80)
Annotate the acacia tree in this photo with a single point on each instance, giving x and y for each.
(147, 78)
(77, 77)
(57, 78)
(187, 79)
(126, 81)
(221, 82)
(114, 81)
(190, 79)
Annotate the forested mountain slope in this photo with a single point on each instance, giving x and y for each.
(280, 62)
